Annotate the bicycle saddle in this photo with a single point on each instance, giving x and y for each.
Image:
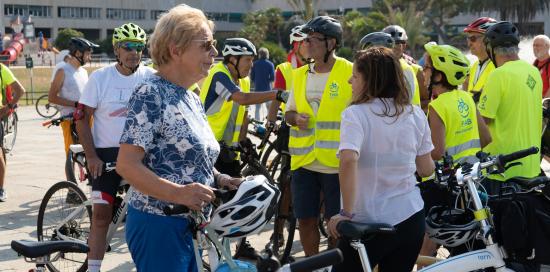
(32, 249)
(355, 231)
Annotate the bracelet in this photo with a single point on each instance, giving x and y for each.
(345, 214)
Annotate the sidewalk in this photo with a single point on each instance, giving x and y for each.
(36, 163)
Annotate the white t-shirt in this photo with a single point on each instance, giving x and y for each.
(73, 84)
(315, 87)
(387, 148)
(108, 91)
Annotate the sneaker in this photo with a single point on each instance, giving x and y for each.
(245, 250)
(3, 195)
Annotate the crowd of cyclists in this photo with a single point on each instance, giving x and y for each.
(361, 134)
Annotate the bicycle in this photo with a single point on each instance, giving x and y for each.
(39, 253)
(212, 251)
(467, 176)
(44, 108)
(75, 163)
(65, 214)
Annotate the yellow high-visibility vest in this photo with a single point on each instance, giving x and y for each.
(410, 77)
(320, 141)
(226, 123)
(286, 70)
(477, 77)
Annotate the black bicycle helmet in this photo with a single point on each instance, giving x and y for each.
(397, 33)
(501, 34)
(325, 25)
(82, 45)
(377, 39)
(238, 47)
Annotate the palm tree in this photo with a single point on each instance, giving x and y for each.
(308, 8)
(522, 11)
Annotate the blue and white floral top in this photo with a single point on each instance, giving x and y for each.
(169, 123)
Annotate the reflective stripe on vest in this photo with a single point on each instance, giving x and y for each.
(322, 138)
(457, 110)
(225, 123)
(477, 79)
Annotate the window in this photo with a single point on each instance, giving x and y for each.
(126, 14)
(25, 10)
(155, 14)
(78, 13)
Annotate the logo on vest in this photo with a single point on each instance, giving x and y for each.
(333, 90)
(464, 111)
(531, 82)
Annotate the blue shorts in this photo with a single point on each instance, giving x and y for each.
(159, 243)
(306, 189)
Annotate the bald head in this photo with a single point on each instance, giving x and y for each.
(541, 46)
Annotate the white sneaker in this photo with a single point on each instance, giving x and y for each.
(3, 195)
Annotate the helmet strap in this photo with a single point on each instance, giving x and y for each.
(236, 66)
(325, 59)
(491, 53)
(126, 67)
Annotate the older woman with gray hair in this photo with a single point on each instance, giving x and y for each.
(168, 150)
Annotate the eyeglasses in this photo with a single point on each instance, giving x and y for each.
(309, 39)
(207, 45)
(400, 42)
(130, 46)
(474, 38)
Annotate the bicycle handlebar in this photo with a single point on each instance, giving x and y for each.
(504, 159)
(57, 121)
(324, 259)
(224, 195)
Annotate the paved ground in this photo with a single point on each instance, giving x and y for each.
(36, 163)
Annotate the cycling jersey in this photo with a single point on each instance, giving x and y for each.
(457, 110)
(6, 78)
(512, 99)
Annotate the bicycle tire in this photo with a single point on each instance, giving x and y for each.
(288, 230)
(46, 109)
(9, 125)
(62, 199)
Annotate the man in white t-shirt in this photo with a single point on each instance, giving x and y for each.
(105, 97)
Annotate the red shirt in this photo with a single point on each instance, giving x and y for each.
(544, 73)
(280, 82)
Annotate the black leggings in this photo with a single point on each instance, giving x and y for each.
(391, 252)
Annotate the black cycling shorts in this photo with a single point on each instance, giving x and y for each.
(104, 187)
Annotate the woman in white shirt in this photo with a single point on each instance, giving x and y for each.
(383, 141)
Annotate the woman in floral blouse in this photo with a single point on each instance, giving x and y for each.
(168, 150)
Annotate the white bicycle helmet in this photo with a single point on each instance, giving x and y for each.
(296, 34)
(238, 47)
(450, 227)
(248, 211)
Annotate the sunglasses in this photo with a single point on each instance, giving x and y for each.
(207, 45)
(310, 39)
(130, 46)
(474, 38)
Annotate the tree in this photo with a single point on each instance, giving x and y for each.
(356, 25)
(307, 8)
(64, 37)
(522, 11)
(274, 24)
(255, 27)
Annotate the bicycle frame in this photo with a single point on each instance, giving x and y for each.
(491, 256)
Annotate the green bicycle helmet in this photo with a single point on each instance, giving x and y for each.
(450, 61)
(129, 32)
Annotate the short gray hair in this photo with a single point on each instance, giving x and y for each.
(544, 38)
(507, 51)
(263, 53)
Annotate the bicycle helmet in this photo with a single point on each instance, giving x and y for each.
(501, 34)
(377, 39)
(397, 33)
(248, 211)
(450, 61)
(480, 25)
(238, 47)
(325, 25)
(296, 34)
(82, 45)
(450, 227)
(129, 32)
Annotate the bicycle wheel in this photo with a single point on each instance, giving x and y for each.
(64, 215)
(10, 131)
(44, 108)
(284, 226)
